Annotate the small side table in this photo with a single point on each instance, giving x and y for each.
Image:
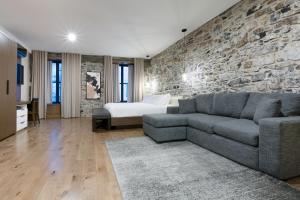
(101, 115)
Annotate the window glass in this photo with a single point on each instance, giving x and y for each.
(123, 79)
(59, 72)
(53, 92)
(125, 75)
(59, 92)
(125, 92)
(53, 72)
(56, 78)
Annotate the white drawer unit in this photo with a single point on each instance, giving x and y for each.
(22, 117)
(22, 125)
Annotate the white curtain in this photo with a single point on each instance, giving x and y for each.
(108, 80)
(116, 83)
(41, 79)
(111, 81)
(130, 83)
(71, 85)
(138, 83)
(48, 83)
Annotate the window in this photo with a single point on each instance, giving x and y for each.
(56, 82)
(123, 79)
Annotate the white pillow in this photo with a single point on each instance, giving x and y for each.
(174, 100)
(164, 99)
(147, 99)
(160, 100)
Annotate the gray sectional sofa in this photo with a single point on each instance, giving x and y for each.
(261, 131)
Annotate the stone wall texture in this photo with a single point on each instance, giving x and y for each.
(95, 64)
(253, 46)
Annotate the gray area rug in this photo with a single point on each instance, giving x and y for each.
(182, 170)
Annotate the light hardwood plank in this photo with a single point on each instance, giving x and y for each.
(59, 159)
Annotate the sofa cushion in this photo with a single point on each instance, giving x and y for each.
(229, 104)
(187, 106)
(172, 110)
(249, 109)
(267, 108)
(290, 103)
(204, 103)
(165, 120)
(165, 134)
(241, 130)
(206, 122)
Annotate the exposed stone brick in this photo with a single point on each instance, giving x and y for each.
(253, 46)
(95, 64)
(253, 9)
(285, 9)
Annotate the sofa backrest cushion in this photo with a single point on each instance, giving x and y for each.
(253, 101)
(290, 103)
(204, 103)
(229, 104)
(267, 108)
(187, 106)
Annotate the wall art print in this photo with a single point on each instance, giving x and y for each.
(93, 88)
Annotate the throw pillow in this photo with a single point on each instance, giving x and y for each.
(249, 109)
(290, 104)
(187, 106)
(267, 108)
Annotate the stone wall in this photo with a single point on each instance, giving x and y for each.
(253, 46)
(91, 63)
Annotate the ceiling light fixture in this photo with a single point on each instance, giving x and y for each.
(72, 37)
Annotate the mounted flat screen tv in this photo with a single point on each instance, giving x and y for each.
(20, 74)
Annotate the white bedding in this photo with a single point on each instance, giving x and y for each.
(134, 109)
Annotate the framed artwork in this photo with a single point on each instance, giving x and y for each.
(93, 89)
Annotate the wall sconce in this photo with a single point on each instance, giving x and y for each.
(154, 84)
(151, 85)
(184, 77)
(148, 85)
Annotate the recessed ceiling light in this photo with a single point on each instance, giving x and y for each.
(71, 37)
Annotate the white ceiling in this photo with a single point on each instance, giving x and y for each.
(127, 28)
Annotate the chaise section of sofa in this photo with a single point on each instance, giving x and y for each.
(165, 128)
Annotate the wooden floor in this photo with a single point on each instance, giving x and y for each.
(61, 159)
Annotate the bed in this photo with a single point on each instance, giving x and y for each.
(130, 114)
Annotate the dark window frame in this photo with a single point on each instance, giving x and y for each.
(57, 82)
(122, 66)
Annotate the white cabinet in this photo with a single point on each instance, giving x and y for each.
(22, 117)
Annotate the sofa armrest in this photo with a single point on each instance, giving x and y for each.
(279, 146)
(172, 110)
